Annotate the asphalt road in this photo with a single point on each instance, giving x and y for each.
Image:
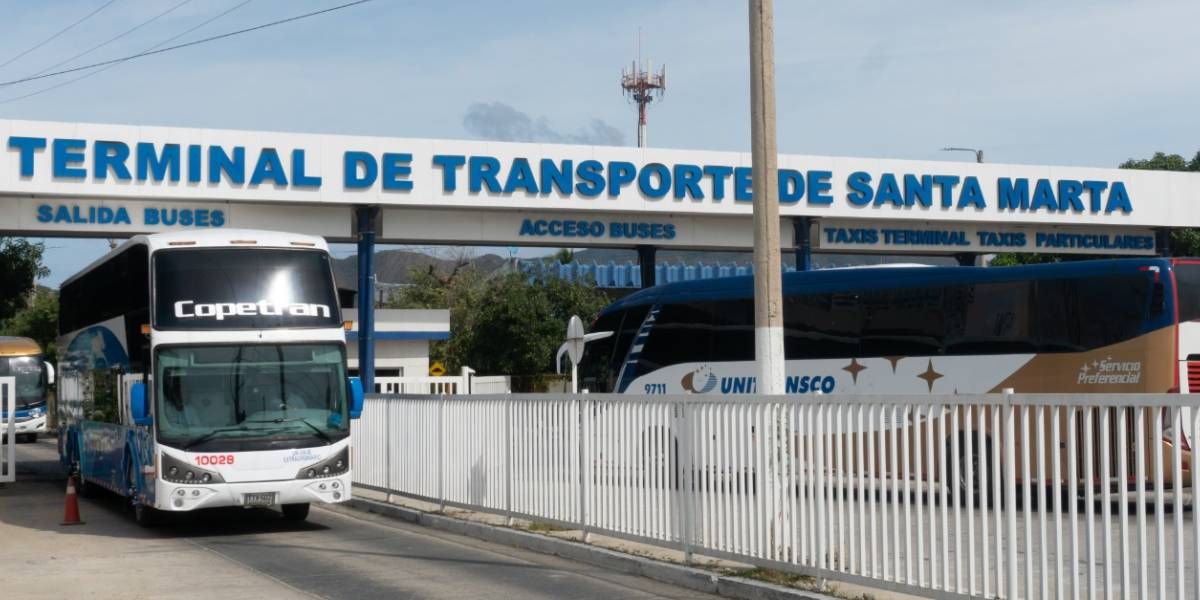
(231, 553)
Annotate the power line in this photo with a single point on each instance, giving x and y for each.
(60, 32)
(115, 38)
(186, 45)
(107, 67)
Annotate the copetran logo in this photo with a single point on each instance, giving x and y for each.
(1109, 371)
(190, 309)
(700, 381)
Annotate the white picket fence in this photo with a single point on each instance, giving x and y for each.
(8, 429)
(995, 496)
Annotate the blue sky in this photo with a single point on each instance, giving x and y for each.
(1069, 83)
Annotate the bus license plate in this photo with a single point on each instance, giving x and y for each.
(259, 499)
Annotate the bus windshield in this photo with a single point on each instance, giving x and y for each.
(242, 397)
(30, 376)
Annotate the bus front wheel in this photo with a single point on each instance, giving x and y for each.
(143, 515)
(295, 512)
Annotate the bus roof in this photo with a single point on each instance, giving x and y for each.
(18, 346)
(212, 238)
(864, 278)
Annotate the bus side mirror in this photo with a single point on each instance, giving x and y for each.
(356, 397)
(137, 404)
(49, 373)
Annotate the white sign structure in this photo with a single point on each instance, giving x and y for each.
(91, 179)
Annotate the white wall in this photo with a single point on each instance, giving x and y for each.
(412, 356)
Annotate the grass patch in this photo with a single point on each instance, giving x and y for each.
(777, 577)
(542, 527)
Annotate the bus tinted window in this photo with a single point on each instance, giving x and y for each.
(1187, 290)
(219, 288)
(1113, 308)
(822, 325)
(902, 322)
(733, 330)
(682, 333)
(117, 287)
(988, 318)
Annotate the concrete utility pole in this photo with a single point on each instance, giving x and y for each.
(768, 277)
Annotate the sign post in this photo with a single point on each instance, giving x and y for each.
(573, 348)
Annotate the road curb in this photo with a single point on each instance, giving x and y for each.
(683, 576)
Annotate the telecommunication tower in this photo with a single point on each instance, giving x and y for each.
(642, 85)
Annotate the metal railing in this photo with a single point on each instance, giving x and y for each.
(8, 429)
(1009, 496)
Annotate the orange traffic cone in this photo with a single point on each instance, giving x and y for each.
(71, 512)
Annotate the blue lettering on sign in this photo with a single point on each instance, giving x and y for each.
(82, 215)
(1002, 239)
(1093, 241)
(74, 214)
(596, 229)
(232, 165)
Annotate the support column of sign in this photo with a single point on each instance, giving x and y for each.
(1162, 240)
(366, 217)
(802, 229)
(646, 263)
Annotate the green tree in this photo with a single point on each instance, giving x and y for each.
(1163, 162)
(508, 324)
(20, 265)
(564, 256)
(39, 321)
(1184, 242)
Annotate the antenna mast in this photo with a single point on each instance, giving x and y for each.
(642, 85)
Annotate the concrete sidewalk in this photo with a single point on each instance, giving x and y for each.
(109, 556)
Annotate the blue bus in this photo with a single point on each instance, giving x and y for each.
(207, 369)
(1127, 325)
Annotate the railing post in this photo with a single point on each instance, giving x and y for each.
(685, 480)
(508, 478)
(1010, 494)
(387, 446)
(583, 475)
(441, 453)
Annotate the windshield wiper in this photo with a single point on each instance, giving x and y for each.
(210, 435)
(316, 430)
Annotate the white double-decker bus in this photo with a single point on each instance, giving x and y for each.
(207, 369)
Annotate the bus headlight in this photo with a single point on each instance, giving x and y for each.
(335, 465)
(176, 471)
